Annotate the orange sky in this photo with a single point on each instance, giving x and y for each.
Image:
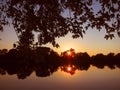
(93, 42)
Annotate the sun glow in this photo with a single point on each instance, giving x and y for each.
(69, 68)
(69, 53)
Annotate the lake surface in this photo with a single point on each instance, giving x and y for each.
(91, 79)
(43, 69)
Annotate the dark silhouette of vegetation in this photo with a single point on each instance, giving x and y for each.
(44, 62)
(52, 19)
(109, 60)
(55, 18)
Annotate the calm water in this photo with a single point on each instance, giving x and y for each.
(92, 79)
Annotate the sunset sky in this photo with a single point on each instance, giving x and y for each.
(37, 70)
(93, 42)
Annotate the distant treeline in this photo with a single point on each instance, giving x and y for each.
(44, 61)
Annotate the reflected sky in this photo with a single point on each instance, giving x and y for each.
(65, 77)
(93, 79)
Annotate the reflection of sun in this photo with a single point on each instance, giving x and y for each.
(69, 68)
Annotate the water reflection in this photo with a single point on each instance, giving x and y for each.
(44, 62)
(69, 69)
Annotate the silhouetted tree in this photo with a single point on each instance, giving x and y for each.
(82, 61)
(117, 58)
(2, 71)
(55, 18)
(3, 51)
(98, 60)
(44, 62)
(111, 60)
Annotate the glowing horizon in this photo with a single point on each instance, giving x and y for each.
(93, 42)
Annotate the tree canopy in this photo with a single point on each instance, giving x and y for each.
(55, 18)
(44, 62)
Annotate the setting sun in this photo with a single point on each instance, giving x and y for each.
(69, 53)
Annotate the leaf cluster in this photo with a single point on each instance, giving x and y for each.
(49, 18)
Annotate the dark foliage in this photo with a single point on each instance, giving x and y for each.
(49, 19)
(44, 62)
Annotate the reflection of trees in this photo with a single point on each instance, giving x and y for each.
(47, 63)
(44, 62)
(109, 60)
(68, 68)
(117, 58)
(82, 60)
